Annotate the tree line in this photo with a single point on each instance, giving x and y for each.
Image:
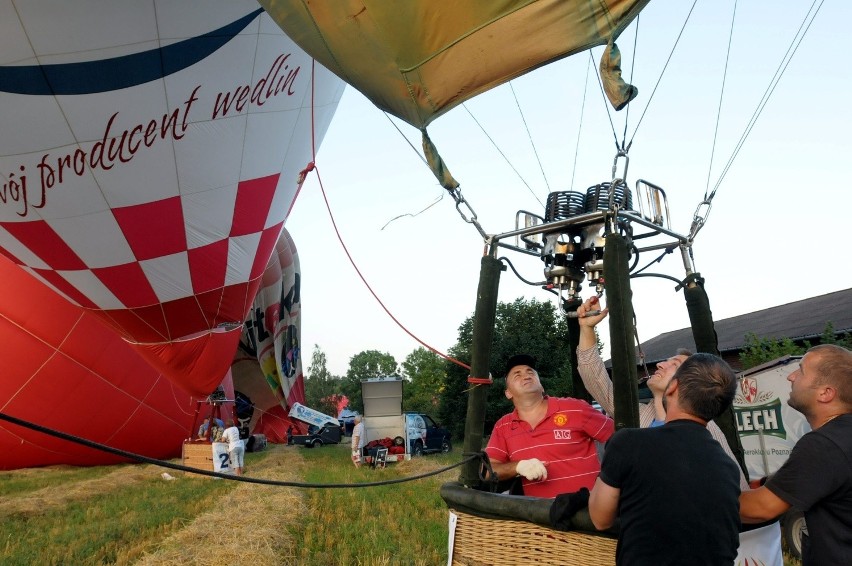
(439, 387)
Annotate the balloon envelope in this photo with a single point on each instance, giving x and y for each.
(420, 58)
(64, 369)
(149, 155)
(268, 366)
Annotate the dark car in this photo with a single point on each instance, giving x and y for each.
(346, 418)
(437, 437)
(318, 436)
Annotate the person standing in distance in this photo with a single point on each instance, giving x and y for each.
(358, 440)
(236, 450)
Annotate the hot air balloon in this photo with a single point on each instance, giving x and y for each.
(418, 60)
(267, 367)
(150, 153)
(64, 369)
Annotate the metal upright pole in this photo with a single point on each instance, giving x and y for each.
(483, 333)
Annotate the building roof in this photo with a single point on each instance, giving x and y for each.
(800, 320)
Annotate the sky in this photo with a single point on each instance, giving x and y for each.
(776, 232)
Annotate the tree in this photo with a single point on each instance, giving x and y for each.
(425, 373)
(756, 350)
(323, 391)
(829, 336)
(366, 365)
(523, 326)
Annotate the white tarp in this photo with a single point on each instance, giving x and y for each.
(311, 416)
(767, 426)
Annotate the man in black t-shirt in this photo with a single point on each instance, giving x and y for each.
(672, 488)
(817, 478)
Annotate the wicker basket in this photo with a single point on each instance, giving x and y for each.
(503, 542)
(497, 529)
(198, 455)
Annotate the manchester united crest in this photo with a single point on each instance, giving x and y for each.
(560, 420)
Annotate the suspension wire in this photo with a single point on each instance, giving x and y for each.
(663, 72)
(181, 468)
(529, 136)
(632, 68)
(532, 192)
(721, 97)
(438, 199)
(580, 127)
(370, 289)
(411, 145)
(785, 61)
(640, 352)
(603, 96)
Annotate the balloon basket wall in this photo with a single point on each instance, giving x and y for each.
(198, 455)
(482, 541)
(495, 529)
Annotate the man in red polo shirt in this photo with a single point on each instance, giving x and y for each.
(548, 441)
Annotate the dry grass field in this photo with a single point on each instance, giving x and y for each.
(131, 514)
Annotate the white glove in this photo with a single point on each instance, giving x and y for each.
(532, 469)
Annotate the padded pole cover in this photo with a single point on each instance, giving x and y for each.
(621, 331)
(706, 340)
(483, 333)
(573, 335)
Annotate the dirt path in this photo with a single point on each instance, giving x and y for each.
(262, 516)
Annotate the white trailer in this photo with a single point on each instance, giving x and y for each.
(417, 433)
(383, 416)
(768, 428)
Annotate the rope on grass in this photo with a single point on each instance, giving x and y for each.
(244, 479)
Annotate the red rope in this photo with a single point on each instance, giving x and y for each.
(302, 176)
(366, 284)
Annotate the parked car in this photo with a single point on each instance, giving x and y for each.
(426, 435)
(322, 428)
(318, 436)
(346, 418)
(386, 423)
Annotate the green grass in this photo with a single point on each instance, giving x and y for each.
(131, 511)
(100, 529)
(396, 524)
(25, 481)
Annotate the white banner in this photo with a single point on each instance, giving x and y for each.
(221, 458)
(761, 546)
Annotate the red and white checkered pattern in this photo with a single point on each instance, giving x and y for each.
(199, 287)
(170, 241)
